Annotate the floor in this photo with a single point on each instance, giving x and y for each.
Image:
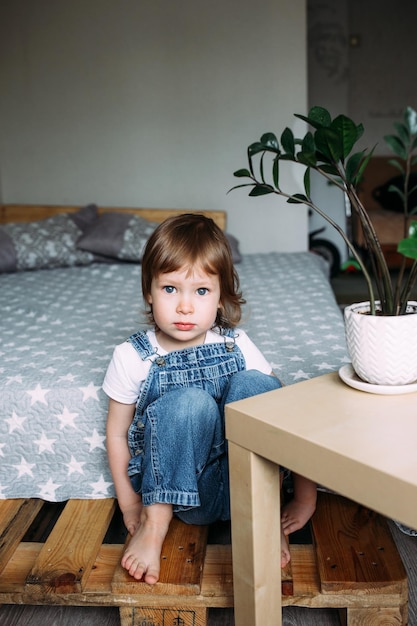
(348, 288)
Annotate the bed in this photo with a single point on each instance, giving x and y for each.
(69, 292)
(60, 325)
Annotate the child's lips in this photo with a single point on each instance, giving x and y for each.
(184, 325)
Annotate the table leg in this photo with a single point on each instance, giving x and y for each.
(256, 538)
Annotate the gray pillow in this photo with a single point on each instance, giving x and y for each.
(47, 243)
(119, 236)
(123, 236)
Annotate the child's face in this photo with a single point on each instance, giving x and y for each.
(184, 306)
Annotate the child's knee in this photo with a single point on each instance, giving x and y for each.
(250, 383)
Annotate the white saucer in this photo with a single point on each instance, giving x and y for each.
(348, 375)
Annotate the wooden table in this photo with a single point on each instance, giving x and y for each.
(361, 445)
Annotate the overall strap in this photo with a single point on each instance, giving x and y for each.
(141, 343)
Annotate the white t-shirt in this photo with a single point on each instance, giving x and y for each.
(127, 371)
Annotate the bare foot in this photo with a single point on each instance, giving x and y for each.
(296, 514)
(142, 557)
(285, 550)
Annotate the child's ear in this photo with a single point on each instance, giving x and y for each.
(148, 298)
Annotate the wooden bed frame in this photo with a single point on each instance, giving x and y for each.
(67, 554)
(33, 212)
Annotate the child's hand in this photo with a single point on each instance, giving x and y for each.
(132, 517)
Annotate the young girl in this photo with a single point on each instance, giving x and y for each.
(168, 387)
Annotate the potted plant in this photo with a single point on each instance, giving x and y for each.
(328, 149)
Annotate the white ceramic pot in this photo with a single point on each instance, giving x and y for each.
(382, 348)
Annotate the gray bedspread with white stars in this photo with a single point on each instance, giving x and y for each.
(58, 329)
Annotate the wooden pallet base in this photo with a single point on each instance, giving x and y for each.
(73, 567)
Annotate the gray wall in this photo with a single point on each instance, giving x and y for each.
(150, 103)
(361, 62)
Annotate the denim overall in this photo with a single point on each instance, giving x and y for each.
(176, 439)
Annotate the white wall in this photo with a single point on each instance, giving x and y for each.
(150, 103)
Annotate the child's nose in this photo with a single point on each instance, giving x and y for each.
(185, 305)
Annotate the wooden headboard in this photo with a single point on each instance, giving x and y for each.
(34, 212)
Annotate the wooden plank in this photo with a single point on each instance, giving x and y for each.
(376, 617)
(218, 571)
(68, 555)
(355, 550)
(147, 616)
(15, 518)
(33, 212)
(182, 561)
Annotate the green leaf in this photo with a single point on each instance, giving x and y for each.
(275, 172)
(261, 190)
(362, 168)
(396, 145)
(308, 144)
(307, 185)
(329, 169)
(317, 117)
(242, 173)
(255, 148)
(328, 143)
(297, 198)
(270, 142)
(240, 186)
(307, 158)
(410, 118)
(287, 141)
(352, 166)
(408, 248)
(348, 133)
(403, 132)
(397, 164)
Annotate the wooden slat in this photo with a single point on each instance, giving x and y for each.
(68, 555)
(33, 212)
(355, 549)
(15, 518)
(146, 616)
(182, 562)
(218, 571)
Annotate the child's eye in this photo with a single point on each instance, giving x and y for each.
(202, 291)
(169, 289)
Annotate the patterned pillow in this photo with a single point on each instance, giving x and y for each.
(123, 236)
(47, 243)
(119, 236)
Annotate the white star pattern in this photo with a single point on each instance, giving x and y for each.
(14, 379)
(24, 468)
(100, 488)
(38, 394)
(75, 466)
(90, 392)
(2, 445)
(47, 490)
(66, 418)
(69, 377)
(96, 441)
(15, 422)
(300, 375)
(44, 444)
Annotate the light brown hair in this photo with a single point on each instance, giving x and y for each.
(187, 240)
